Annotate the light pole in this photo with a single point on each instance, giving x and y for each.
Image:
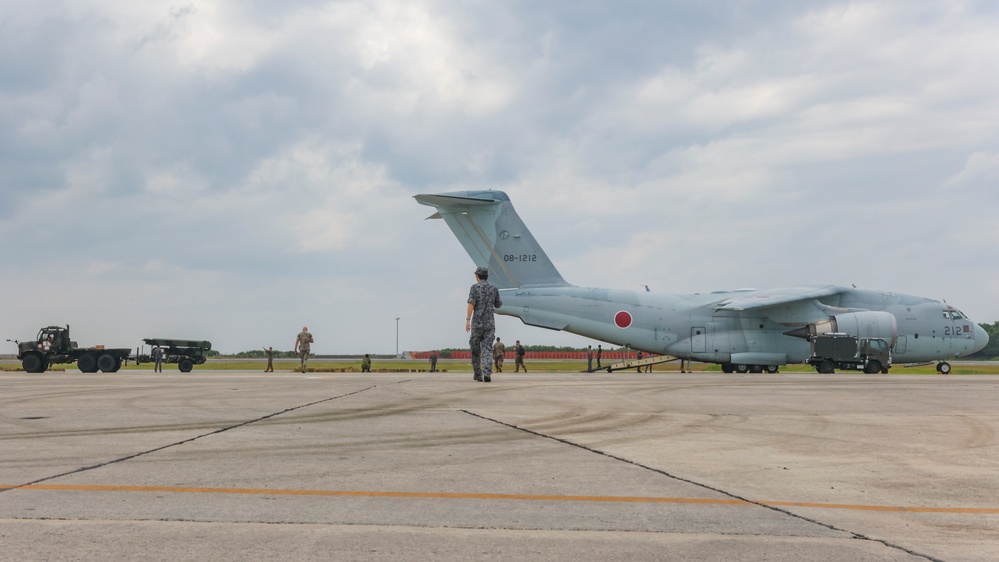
(396, 337)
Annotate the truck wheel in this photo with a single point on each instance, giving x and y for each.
(826, 367)
(87, 363)
(33, 363)
(185, 365)
(106, 363)
(873, 367)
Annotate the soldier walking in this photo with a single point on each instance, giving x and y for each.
(520, 351)
(303, 345)
(499, 350)
(483, 297)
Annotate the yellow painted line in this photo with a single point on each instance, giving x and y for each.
(472, 496)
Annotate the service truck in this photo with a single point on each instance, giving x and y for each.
(54, 346)
(833, 351)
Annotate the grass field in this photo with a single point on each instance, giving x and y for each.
(548, 366)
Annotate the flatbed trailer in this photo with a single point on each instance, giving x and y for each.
(185, 353)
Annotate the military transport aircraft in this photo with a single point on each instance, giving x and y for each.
(747, 330)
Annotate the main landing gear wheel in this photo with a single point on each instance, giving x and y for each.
(772, 369)
(741, 368)
(727, 368)
(943, 368)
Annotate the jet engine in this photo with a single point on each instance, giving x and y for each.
(865, 324)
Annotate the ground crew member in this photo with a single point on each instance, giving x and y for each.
(639, 358)
(499, 350)
(483, 297)
(270, 359)
(157, 359)
(600, 351)
(303, 345)
(589, 359)
(366, 364)
(520, 356)
(433, 361)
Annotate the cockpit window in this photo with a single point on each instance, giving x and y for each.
(953, 315)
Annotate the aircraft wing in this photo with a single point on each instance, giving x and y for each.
(766, 299)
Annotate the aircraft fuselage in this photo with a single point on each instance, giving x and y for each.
(690, 327)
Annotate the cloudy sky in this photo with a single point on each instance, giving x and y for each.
(233, 170)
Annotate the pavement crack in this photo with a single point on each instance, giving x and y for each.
(829, 526)
(186, 441)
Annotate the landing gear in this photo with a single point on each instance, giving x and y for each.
(943, 368)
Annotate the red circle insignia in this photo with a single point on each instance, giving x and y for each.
(622, 319)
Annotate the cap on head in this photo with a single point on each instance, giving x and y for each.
(482, 272)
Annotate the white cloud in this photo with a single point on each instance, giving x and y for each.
(247, 167)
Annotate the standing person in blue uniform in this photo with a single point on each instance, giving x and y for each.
(483, 297)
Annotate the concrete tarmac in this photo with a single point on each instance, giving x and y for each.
(224, 465)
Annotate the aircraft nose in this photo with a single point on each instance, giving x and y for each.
(981, 338)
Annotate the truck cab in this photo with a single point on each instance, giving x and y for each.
(831, 351)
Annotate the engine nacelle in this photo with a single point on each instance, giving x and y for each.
(864, 324)
(868, 324)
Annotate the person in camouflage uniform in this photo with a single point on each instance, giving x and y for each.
(499, 352)
(303, 346)
(269, 352)
(483, 297)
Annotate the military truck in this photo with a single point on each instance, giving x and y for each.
(185, 353)
(54, 346)
(833, 351)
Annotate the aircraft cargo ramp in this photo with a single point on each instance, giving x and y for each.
(637, 363)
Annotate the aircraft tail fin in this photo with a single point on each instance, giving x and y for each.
(494, 236)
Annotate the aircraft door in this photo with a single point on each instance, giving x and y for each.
(900, 344)
(698, 339)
